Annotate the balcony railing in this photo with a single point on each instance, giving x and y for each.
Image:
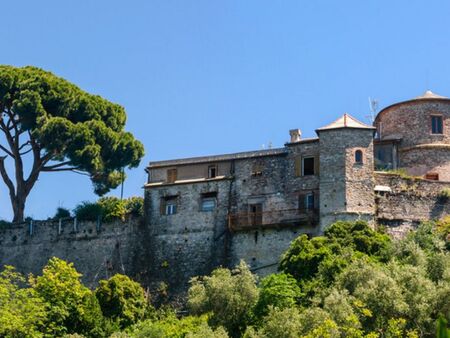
(273, 218)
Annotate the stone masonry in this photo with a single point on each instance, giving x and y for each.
(205, 212)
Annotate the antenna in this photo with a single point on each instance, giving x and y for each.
(373, 104)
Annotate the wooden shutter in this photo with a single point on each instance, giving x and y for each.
(316, 165)
(171, 175)
(162, 206)
(302, 202)
(298, 166)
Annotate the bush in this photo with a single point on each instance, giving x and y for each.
(71, 307)
(22, 311)
(113, 208)
(122, 299)
(61, 213)
(88, 211)
(444, 195)
(277, 290)
(134, 206)
(228, 295)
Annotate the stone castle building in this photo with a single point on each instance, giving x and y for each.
(208, 211)
(212, 211)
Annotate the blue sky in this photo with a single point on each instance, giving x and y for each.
(206, 77)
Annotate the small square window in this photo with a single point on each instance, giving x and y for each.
(169, 205)
(171, 208)
(208, 204)
(308, 166)
(208, 201)
(212, 171)
(436, 125)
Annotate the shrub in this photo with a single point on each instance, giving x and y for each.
(88, 211)
(22, 311)
(277, 290)
(444, 195)
(71, 307)
(134, 206)
(61, 213)
(122, 299)
(113, 208)
(228, 295)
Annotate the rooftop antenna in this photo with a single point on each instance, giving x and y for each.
(373, 104)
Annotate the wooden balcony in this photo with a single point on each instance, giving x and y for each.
(273, 219)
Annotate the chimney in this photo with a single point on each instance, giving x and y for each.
(296, 135)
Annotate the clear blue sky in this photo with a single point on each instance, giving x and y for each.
(205, 77)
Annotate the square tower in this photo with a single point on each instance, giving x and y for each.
(346, 171)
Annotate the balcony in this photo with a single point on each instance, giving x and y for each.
(273, 219)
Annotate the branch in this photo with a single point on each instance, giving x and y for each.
(6, 178)
(6, 151)
(56, 165)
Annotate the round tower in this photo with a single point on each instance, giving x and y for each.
(346, 171)
(415, 135)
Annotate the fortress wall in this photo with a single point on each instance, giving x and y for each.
(96, 254)
(409, 202)
(262, 249)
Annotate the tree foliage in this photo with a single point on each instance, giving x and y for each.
(229, 296)
(70, 306)
(61, 128)
(122, 299)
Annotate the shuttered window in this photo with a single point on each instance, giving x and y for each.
(169, 205)
(172, 175)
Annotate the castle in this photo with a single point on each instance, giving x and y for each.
(208, 211)
(205, 212)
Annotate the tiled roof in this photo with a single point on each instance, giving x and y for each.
(346, 121)
(216, 158)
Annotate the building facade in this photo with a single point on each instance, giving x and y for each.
(208, 211)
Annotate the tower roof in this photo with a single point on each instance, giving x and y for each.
(346, 121)
(429, 95)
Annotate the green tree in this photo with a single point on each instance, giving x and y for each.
(71, 307)
(229, 297)
(122, 299)
(277, 290)
(22, 312)
(61, 128)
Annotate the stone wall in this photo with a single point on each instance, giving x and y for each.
(262, 249)
(346, 187)
(420, 151)
(409, 202)
(96, 253)
(191, 242)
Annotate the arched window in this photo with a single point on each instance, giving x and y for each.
(359, 156)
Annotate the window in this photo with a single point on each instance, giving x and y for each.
(359, 157)
(209, 201)
(257, 169)
(212, 171)
(308, 166)
(436, 125)
(169, 205)
(309, 201)
(255, 213)
(172, 175)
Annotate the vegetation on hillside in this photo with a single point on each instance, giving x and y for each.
(351, 282)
